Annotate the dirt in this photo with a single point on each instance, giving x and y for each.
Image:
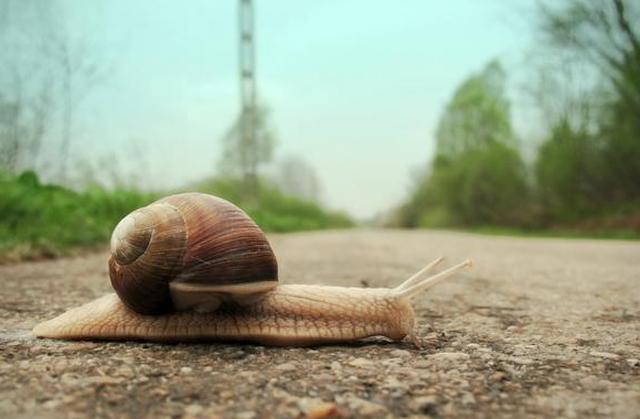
(539, 327)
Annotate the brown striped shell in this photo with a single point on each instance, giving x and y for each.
(194, 242)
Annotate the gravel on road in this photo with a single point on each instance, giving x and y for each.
(539, 327)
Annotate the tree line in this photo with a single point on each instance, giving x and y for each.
(45, 73)
(586, 87)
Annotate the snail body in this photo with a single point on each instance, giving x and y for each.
(193, 267)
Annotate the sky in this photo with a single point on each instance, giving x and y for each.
(355, 87)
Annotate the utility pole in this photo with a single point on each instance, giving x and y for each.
(247, 61)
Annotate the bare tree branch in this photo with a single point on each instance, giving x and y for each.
(624, 25)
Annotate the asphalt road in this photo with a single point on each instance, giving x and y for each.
(539, 327)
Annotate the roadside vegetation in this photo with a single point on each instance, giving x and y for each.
(581, 178)
(584, 179)
(45, 75)
(47, 220)
(43, 221)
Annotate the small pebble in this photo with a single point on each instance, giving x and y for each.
(445, 357)
(361, 363)
(193, 409)
(287, 367)
(468, 398)
(498, 376)
(362, 408)
(606, 355)
(522, 360)
(424, 404)
(322, 410)
(317, 408)
(400, 353)
(103, 380)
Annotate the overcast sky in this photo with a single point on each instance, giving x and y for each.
(356, 87)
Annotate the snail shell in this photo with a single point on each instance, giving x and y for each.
(189, 251)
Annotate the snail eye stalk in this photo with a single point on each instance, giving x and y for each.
(418, 282)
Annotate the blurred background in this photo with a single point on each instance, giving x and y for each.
(519, 117)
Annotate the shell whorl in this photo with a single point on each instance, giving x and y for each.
(193, 239)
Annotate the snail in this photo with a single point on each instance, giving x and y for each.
(194, 267)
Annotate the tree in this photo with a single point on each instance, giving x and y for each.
(298, 178)
(240, 158)
(567, 172)
(478, 114)
(477, 175)
(482, 186)
(25, 83)
(10, 134)
(605, 36)
(78, 73)
(42, 68)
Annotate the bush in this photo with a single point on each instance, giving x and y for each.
(46, 220)
(485, 186)
(477, 176)
(568, 173)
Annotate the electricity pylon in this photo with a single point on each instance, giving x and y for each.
(247, 61)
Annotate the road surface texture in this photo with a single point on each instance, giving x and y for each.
(539, 327)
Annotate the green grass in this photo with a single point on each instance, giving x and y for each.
(567, 233)
(38, 220)
(622, 223)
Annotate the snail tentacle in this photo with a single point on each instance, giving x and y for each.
(419, 284)
(415, 278)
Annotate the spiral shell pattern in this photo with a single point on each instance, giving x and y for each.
(193, 238)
